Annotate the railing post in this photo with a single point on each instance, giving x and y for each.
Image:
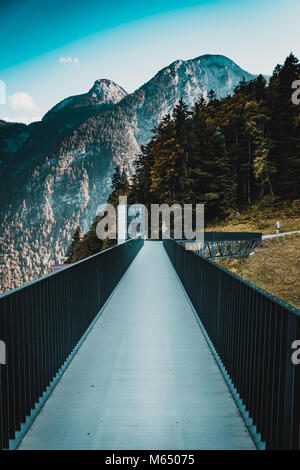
(219, 307)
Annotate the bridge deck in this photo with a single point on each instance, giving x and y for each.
(144, 378)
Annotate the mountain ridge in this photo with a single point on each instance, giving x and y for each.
(57, 171)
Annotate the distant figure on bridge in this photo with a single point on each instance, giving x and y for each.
(164, 227)
(278, 227)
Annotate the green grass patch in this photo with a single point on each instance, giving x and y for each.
(274, 267)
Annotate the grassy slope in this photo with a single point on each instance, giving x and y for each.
(262, 217)
(275, 266)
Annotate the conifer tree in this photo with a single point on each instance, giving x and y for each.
(181, 116)
(211, 95)
(74, 243)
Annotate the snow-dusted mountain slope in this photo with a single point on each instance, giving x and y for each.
(187, 79)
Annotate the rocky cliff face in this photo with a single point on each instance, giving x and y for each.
(56, 172)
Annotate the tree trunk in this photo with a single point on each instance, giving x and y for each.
(270, 184)
(248, 172)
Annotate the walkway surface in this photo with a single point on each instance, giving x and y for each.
(144, 378)
(275, 235)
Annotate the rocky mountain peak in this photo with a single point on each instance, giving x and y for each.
(103, 92)
(107, 92)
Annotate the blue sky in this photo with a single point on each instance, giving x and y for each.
(53, 49)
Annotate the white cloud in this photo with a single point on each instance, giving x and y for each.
(22, 101)
(23, 119)
(69, 60)
(65, 60)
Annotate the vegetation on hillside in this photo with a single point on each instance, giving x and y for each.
(228, 153)
(274, 267)
(240, 156)
(261, 216)
(89, 244)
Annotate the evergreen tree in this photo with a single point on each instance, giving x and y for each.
(119, 179)
(74, 243)
(211, 96)
(283, 127)
(88, 245)
(181, 117)
(166, 161)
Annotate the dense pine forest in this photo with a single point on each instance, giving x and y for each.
(225, 153)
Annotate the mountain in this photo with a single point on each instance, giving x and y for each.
(182, 79)
(55, 173)
(103, 92)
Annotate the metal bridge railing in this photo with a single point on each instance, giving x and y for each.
(42, 322)
(252, 332)
(222, 250)
(222, 245)
(232, 236)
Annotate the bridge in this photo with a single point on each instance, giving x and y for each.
(147, 345)
(222, 245)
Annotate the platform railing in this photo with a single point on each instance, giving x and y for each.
(232, 236)
(252, 333)
(222, 245)
(42, 322)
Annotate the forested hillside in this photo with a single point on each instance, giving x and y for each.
(227, 153)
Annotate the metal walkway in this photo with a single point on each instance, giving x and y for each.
(144, 378)
(276, 235)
